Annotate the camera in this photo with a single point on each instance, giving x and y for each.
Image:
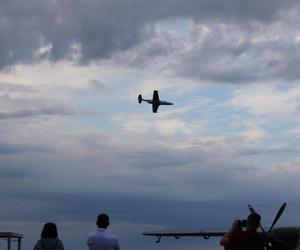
(243, 223)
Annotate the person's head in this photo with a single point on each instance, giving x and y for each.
(253, 221)
(237, 225)
(102, 221)
(49, 231)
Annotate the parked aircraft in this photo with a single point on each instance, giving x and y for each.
(282, 238)
(155, 101)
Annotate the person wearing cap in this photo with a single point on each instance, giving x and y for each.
(101, 239)
(238, 239)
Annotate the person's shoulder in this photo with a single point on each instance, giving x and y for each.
(92, 233)
(38, 244)
(236, 236)
(113, 235)
(101, 233)
(236, 233)
(60, 244)
(60, 241)
(252, 232)
(110, 235)
(255, 236)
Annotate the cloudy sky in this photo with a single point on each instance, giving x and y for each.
(74, 142)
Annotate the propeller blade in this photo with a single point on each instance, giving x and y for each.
(279, 213)
(251, 209)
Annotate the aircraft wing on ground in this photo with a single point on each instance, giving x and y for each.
(283, 238)
(178, 234)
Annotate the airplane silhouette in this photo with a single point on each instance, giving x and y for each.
(282, 238)
(155, 101)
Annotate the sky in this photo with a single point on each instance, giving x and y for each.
(74, 142)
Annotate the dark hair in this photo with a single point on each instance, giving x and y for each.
(253, 219)
(49, 231)
(102, 220)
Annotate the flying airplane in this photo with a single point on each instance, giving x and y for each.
(282, 238)
(155, 101)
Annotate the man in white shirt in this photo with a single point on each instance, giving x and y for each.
(101, 239)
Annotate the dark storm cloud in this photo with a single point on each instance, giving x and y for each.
(7, 149)
(231, 55)
(98, 85)
(135, 184)
(24, 113)
(93, 30)
(251, 151)
(128, 208)
(134, 177)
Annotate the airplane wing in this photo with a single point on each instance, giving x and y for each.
(155, 96)
(155, 101)
(154, 107)
(178, 234)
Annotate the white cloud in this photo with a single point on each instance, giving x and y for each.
(290, 169)
(169, 127)
(253, 135)
(56, 75)
(267, 100)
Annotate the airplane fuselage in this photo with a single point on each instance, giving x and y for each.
(165, 103)
(288, 238)
(281, 238)
(158, 102)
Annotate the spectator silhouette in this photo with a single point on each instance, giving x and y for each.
(101, 239)
(49, 239)
(250, 239)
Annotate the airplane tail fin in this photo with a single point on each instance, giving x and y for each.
(140, 98)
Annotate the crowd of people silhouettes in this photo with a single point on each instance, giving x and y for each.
(237, 238)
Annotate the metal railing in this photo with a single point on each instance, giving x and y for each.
(10, 237)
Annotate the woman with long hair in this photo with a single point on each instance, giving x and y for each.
(49, 239)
